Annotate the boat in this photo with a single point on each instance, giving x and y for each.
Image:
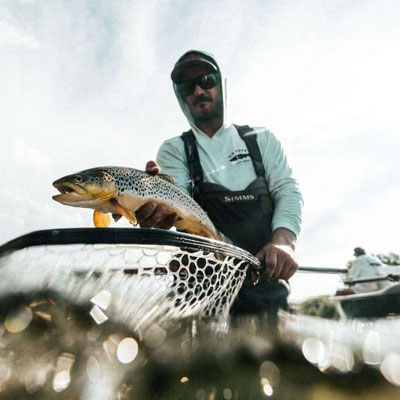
(377, 304)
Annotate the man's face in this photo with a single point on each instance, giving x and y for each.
(204, 104)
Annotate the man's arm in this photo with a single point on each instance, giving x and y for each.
(283, 186)
(278, 254)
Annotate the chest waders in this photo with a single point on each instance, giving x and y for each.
(244, 216)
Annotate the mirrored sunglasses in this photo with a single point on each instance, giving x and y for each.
(205, 81)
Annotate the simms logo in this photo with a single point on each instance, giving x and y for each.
(239, 197)
(239, 156)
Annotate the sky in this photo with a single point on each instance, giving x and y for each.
(85, 83)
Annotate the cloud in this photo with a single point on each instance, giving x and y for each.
(87, 83)
(31, 156)
(11, 35)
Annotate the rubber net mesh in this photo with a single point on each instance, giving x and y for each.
(136, 284)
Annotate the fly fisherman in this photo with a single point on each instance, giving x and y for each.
(239, 175)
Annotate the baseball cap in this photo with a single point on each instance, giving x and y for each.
(191, 59)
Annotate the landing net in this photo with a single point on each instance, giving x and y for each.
(136, 276)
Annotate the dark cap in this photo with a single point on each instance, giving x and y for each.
(358, 251)
(191, 59)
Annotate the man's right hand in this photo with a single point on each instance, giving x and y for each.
(152, 215)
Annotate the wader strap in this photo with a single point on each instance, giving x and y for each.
(196, 172)
(250, 138)
(192, 155)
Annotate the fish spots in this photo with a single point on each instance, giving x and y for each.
(136, 185)
(106, 176)
(140, 183)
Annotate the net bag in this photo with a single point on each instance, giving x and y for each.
(136, 276)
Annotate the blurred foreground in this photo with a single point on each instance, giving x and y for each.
(52, 348)
(150, 321)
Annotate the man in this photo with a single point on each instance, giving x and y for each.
(363, 267)
(239, 175)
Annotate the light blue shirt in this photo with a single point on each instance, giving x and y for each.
(225, 161)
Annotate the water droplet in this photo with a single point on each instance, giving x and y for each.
(18, 320)
(155, 336)
(61, 381)
(227, 393)
(390, 368)
(267, 388)
(127, 350)
(93, 369)
(98, 315)
(372, 348)
(102, 299)
(271, 372)
(315, 351)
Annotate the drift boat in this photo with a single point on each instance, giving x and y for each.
(377, 304)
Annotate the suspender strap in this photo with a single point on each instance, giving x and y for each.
(250, 138)
(196, 172)
(192, 155)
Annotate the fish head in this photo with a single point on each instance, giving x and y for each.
(90, 188)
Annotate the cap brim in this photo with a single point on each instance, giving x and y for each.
(177, 72)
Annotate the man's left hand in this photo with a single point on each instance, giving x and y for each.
(278, 255)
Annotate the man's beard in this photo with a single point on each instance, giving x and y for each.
(213, 113)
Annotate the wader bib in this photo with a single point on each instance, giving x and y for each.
(244, 216)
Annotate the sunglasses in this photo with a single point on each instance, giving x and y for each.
(205, 81)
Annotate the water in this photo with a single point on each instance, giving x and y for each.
(74, 326)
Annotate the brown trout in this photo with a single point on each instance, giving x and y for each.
(122, 191)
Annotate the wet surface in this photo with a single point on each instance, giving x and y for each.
(68, 332)
(54, 349)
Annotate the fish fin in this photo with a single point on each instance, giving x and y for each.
(100, 219)
(167, 178)
(116, 217)
(123, 211)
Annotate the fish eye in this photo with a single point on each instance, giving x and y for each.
(78, 178)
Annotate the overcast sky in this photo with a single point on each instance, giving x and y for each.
(85, 83)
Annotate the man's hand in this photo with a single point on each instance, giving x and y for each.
(278, 255)
(152, 168)
(151, 215)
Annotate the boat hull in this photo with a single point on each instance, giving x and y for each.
(377, 304)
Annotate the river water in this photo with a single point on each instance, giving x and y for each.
(73, 326)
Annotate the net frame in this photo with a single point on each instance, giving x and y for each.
(199, 277)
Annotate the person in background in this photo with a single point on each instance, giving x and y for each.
(238, 174)
(365, 266)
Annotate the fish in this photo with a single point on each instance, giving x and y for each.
(121, 191)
